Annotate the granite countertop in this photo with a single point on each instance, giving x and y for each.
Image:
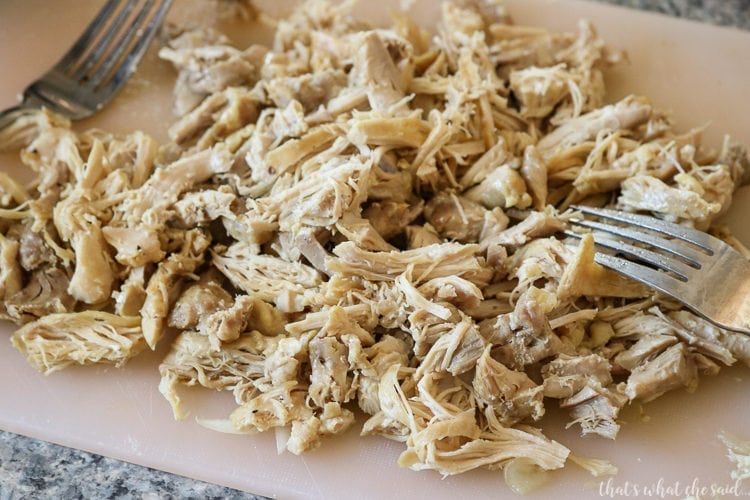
(33, 468)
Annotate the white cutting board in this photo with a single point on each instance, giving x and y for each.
(700, 72)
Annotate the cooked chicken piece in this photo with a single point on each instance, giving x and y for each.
(254, 227)
(135, 246)
(286, 284)
(282, 364)
(453, 289)
(625, 114)
(632, 322)
(735, 156)
(288, 122)
(129, 299)
(584, 277)
(390, 218)
(539, 90)
(706, 338)
(512, 394)
(588, 56)
(21, 132)
(536, 225)
(291, 152)
(361, 232)
(534, 173)
(12, 193)
(643, 350)
(425, 165)
(375, 70)
(393, 419)
(264, 317)
(408, 132)
(572, 326)
(495, 156)
(523, 46)
(202, 207)
(455, 444)
(34, 251)
(455, 217)
(426, 328)
(163, 286)
(433, 261)
(461, 22)
(284, 406)
(596, 410)
(390, 179)
(191, 361)
(705, 365)
(670, 370)
(524, 336)
(147, 204)
(456, 351)
(334, 419)
(644, 192)
(615, 158)
(58, 340)
(540, 259)
(488, 309)
(79, 224)
(715, 185)
(340, 325)
(276, 407)
(207, 64)
(329, 380)
(135, 155)
(388, 351)
(421, 236)
(197, 303)
(321, 198)
(306, 433)
(216, 118)
(94, 276)
(53, 154)
(313, 322)
(45, 292)
(567, 375)
(312, 91)
(306, 243)
(373, 303)
(10, 270)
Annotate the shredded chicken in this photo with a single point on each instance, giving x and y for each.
(359, 217)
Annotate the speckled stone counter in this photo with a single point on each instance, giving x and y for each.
(735, 13)
(35, 469)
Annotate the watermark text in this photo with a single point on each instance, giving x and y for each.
(674, 489)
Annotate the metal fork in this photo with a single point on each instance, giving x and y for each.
(702, 272)
(97, 65)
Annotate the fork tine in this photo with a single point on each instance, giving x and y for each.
(689, 235)
(121, 46)
(661, 281)
(649, 257)
(684, 252)
(87, 37)
(103, 43)
(128, 64)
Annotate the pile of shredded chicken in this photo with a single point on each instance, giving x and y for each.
(359, 218)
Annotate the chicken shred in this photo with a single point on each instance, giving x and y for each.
(361, 217)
